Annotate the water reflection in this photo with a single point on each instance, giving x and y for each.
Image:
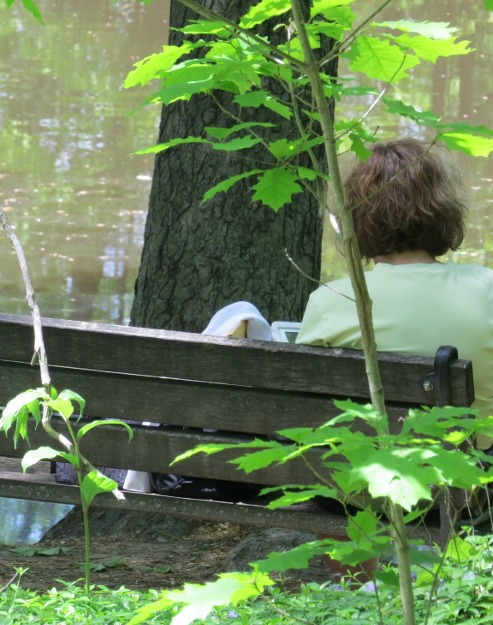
(25, 522)
(69, 185)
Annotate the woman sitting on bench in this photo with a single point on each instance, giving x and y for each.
(408, 211)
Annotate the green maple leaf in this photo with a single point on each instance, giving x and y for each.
(471, 144)
(431, 49)
(264, 10)
(379, 59)
(432, 30)
(427, 118)
(225, 185)
(154, 66)
(276, 187)
(393, 474)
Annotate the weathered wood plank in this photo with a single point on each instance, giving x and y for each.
(222, 360)
(177, 402)
(44, 488)
(154, 449)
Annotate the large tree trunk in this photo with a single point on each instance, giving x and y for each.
(198, 258)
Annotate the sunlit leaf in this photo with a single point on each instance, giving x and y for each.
(276, 187)
(198, 600)
(72, 396)
(473, 145)
(433, 30)
(392, 474)
(352, 410)
(155, 65)
(209, 449)
(225, 185)
(184, 90)
(95, 483)
(460, 551)
(260, 459)
(455, 468)
(379, 59)
(99, 422)
(258, 98)
(63, 406)
(329, 29)
(206, 27)
(264, 10)
(17, 403)
(325, 7)
(427, 118)
(33, 456)
(241, 143)
(488, 5)
(432, 49)
(160, 147)
(224, 133)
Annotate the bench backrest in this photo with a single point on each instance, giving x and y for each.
(235, 386)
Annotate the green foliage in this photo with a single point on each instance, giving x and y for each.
(464, 598)
(406, 468)
(254, 74)
(198, 600)
(40, 404)
(31, 6)
(69, 604)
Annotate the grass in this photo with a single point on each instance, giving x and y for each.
(464, 596)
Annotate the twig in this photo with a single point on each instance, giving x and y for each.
(308, 277)
(12, 580)
(39, 347)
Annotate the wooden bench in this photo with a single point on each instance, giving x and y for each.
(238, 387)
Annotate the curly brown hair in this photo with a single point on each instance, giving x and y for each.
(405, 197)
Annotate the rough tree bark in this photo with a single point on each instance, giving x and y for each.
(197, 258)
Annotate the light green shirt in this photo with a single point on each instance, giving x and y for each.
(416, 308)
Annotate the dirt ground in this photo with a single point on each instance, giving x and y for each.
(135, 561)
(139, 552)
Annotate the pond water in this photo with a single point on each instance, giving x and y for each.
(69, 184)
(77, 197)
(26, 522)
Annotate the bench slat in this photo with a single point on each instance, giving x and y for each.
(153, 449)
(221, 360)
(174, 402)
(44, 488)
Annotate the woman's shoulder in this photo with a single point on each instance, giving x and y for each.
(472, 270)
